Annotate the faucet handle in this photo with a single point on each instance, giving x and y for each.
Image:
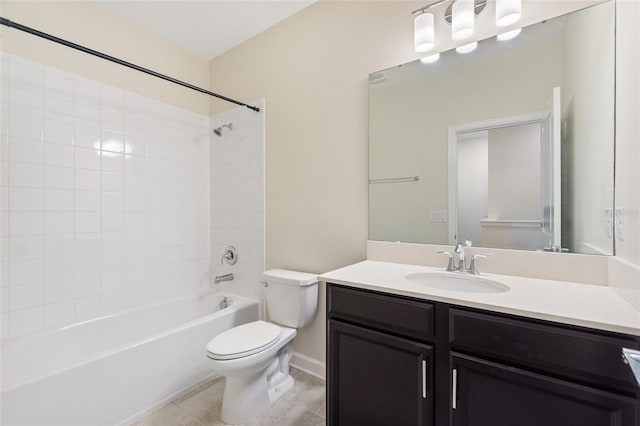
(450, 264)
(472, 267)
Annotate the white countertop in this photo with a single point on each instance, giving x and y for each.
(593, 306)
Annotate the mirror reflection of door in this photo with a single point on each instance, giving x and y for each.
(505, 183)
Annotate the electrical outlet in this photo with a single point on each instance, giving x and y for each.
(619, 223)
(438, 215)
(608, 219)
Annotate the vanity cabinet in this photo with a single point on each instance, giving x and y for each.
(394, 360)
(380, 363)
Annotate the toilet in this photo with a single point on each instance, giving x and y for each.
(254, 357)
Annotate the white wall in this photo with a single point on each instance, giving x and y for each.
(105, 198)
(588, 157)
(312, 68)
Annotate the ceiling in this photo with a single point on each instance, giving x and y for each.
(206, 28)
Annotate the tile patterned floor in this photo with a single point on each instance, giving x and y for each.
(304, 405)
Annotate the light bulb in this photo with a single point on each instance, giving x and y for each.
(430, 59)
(462, 17)
(466, 48)
(424, 32)
(508, 35)
(508, 12)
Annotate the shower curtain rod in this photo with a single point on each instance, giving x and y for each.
(84, 49)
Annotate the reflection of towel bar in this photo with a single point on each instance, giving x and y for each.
(395, 180)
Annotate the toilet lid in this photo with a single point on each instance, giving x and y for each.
(244, 340)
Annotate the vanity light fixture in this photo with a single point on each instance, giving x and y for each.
(508, 12)
(466, 48)
(430, 59)
(462, 19)
(508, 35)
(460, 14)
(424, 32)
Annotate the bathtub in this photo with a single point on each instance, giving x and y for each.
(112, 370)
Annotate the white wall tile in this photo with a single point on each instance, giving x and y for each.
(58, 290)
(26, 321)
(26, 223)
(58, 223)
(112, 201)
(25, 126)
(88, 265)
(26, 199)
(55, 131)
(87, 179)
(26, 296)
(58, 268)
(112, 162)
(29, 175)
(26, 247)
(57, 200)
(58, 177)
(87, 158)
(88, 243)
(86, 286)
(26, 151)
(58, 155)
(112, 182)
(22, 272)
(87, 307)
(87, 200)
(107, 199)
(59, 314)
(87, 222)
(87, 136)
(58, 245)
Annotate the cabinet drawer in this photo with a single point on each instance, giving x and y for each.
(591, 357)
(398, 315)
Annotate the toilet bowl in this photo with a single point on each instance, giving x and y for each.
(255, 357)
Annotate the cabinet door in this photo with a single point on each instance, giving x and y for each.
(377, 379)
(485, 393)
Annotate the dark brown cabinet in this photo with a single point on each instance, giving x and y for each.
(394, 360)
(377, 378)
(487, 393)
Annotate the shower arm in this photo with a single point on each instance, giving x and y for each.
(37, 33)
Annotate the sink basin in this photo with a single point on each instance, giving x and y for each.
(458, 282)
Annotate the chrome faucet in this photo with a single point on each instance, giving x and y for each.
(222, 278)
(462, 265)
(461, 261)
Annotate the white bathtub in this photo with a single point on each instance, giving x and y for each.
(113, 369)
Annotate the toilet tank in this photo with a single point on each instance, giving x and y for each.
(292, 297)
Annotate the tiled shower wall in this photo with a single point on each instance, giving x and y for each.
(237, 194)
(105, 198)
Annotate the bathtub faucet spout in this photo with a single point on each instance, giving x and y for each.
(222, 278)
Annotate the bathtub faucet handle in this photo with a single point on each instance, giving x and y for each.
(230, 256)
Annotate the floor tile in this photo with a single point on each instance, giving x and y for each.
(303, 405)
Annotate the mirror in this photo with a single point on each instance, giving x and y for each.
(509, 146)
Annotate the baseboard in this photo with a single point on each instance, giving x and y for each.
(309, 365)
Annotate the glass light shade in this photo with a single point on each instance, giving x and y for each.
(508, 35)
(430, 59)
(424, 32)
(508, 12)
(462, 17)
(466, 48)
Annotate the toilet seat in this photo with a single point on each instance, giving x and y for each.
(244, 340)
